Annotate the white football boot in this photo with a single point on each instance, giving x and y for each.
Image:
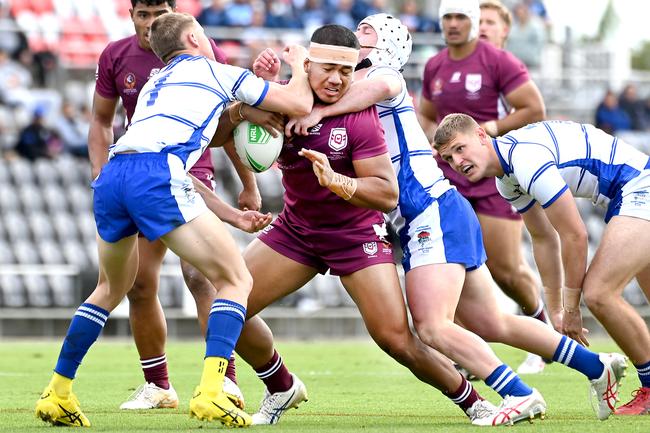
(150, 396)
(275, 405)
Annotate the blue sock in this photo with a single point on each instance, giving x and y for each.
(572, 354)
(224, 326)
(506, 382)
(86, 325)
(643, 370)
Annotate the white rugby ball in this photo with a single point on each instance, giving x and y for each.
(256, 147)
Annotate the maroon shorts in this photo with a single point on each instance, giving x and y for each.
(205, 176)
(341, 251)
(494, 205)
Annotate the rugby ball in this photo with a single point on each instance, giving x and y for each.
(256, 147)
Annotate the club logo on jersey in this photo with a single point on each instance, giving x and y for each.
(437, 87)
(473, 83)
(370, 248)
(338, 138)
(153, 72)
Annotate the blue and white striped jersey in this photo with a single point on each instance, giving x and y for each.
(542, 160)
(420, 180)
(178, 109)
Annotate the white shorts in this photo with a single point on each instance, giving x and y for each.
(635, 197)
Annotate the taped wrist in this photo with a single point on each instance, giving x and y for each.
(343, 186)
(553, 299)
(571, 299)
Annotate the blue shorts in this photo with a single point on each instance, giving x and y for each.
(146, 192)
(446, 232)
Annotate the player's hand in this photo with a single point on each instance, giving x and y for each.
(252, 221)
(272, 122)
(267, 65)
(295, 55)
(250, 199)
(321, 166)
(572, 327)
(301, 125)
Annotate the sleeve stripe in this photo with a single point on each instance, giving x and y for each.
(263, 95)
(538, 173)
(555, 197)
(239, 81)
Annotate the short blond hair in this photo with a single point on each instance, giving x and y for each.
(166, 31)
(450, 126)
(496, 5)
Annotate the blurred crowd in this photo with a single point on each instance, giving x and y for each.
(626, 111)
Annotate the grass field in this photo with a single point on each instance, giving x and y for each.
(353, 386)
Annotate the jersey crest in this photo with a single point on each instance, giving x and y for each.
(338, 138)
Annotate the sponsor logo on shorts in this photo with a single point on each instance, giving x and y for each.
(338, 138)
(424, 240)
(153, 72)
(640, 198)
(370, 248)
(381, 231)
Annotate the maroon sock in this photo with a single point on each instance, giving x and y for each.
(155, 371)
(231, 370)
(465, 396)
(275, 375)
(540, 314)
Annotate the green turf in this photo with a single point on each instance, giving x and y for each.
(353, 386)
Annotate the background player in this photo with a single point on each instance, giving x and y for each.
(145, 188)
(540, 168)
(470, 76)
(124, 67)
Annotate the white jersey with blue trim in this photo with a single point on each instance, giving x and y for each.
(420, 180)
(178, 109)
(542, 160)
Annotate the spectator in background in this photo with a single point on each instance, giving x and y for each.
(630, 103)
(411, 16)
(610, 117)
(342, 14)
(527, 36)
(73, 128)
(213, 15)
(239, 13)
(12, 40)
(15, 81)
(281, 14)
(313, 15)
(37, 140)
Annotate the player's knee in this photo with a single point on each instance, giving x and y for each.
(144, 288)
(433, 335)
(396, 344)
(200, 288)
(488, 330)
(595, 300)
(505, 274)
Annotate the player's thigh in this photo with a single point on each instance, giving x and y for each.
(274, 275)
(622, 254)
(433, 291)
(206, 244)
(377, 292)
(502, 240)
(478, 302)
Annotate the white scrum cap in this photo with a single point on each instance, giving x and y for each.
(469, 8)
(394, 42)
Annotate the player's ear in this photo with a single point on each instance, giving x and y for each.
(306, 64)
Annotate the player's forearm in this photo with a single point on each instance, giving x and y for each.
(247, 178)
(546, 251)
(300, 98)
(360, 96)
(520, 118)
(100, 137)
(428, 126)
(574, 258)
(223, 210)
(376, 193)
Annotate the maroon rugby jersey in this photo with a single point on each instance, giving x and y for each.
(474, 86)
(123, 69)
(344, 138)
